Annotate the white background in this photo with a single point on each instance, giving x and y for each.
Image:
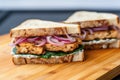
(59, 4)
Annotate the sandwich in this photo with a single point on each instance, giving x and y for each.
(98, 30)
(45, 42)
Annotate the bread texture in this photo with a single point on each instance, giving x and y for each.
(93, 19)
(36, 27)
(115, 44)
(53, 60)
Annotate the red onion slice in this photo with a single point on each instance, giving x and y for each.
(84, 34)
(54, 40)
(32, 39)
(66, 42)
(90, 31)
(100, 28)
(115, 28)
(20, 40)
(69, 37)
(51, 41)
(61, 38)
(41, 43)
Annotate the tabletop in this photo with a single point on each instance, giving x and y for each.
(10, 19)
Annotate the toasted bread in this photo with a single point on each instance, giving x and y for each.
(35, 27)
(62, 59)
(93, 19)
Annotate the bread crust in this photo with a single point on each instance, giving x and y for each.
(52, 60)
(93, 19)
(19, 61)
(94, 23)
(90, 24)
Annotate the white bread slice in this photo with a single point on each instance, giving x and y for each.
(93, 19)
(54, 60)
(36, 27)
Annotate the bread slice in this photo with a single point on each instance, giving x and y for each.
(115, 44)
(62, 59)
(36, 27)
(93, 19)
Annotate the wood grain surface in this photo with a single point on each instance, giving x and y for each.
(99, 64)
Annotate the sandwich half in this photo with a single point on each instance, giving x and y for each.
(45, 42)
(99, 30)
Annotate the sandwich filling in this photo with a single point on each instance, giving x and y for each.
(99, 32)
(47, 54)
(46, 47)
(99, 35)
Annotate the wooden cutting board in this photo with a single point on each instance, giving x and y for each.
(99, 64)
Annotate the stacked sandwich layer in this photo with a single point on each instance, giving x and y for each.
(99, 30)
(36, 41)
